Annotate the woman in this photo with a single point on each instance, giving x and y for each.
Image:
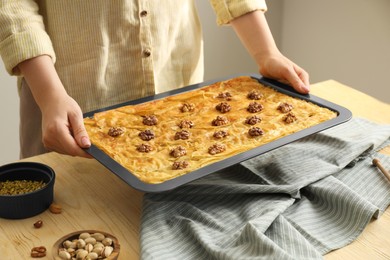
(74, 57)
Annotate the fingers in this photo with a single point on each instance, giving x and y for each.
(79, 132)
(303, 75)
(284, 70)
(80, 135)
(60, 139)
(298, 78)
(66, 134)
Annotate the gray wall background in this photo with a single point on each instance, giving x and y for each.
(347, 41)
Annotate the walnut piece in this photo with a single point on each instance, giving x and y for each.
(255, 131)
(115, 131)
(254, 95)
(285, 107)
(290, 118)
(220, 134)
(252, 120)
(220, 120)
(187, 107)
(217, 148)
(150, 120)
(180, 165)
(223, 107)
(55, 208)
(182, 135)
(225, 95)
(146, 135)
(178, 151)
(144, 148)
(186, 124)
(254, 107)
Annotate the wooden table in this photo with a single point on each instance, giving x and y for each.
(94, 198)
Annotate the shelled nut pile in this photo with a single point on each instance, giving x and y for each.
(17, 187)
(87, 247)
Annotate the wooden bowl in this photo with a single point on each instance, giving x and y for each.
(75, 235)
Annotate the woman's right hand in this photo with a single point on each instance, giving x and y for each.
(63, 129)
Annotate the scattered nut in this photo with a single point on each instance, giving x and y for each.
(39, 251)
(38, 224)
(55, 208)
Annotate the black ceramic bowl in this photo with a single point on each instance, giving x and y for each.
(28, 204)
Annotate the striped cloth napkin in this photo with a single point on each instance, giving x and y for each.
(299, 201)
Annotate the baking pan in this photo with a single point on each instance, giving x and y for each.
(343, 115)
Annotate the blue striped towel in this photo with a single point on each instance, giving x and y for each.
(299, 201)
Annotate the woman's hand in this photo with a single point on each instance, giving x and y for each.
(253, 31)
(63, 129)
(279, 67)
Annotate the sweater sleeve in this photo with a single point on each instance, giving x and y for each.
(227, 10)
(22, 34)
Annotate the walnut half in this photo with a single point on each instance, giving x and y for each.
(146, 135)
(150, 120)
(217, 148)
(178, 151)
(255, 131)
(180, 165)
(144, 148)
(115, 131)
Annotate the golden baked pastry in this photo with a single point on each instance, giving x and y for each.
(166, 138)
